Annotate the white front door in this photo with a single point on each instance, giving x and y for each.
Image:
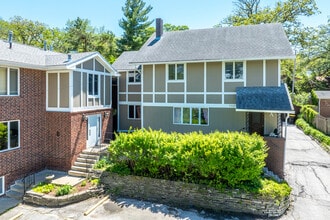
(94, 130)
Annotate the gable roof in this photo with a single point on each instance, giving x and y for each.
(123, 61)
(264, 99)
(323, 94)
(264, 41)
(21, 55)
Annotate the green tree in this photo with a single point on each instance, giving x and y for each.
(105, 43)
(79, 35)
(170, 27)
(135, 24)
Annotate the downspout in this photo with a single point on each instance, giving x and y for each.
(286, 133)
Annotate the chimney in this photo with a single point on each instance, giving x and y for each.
(45, 45)
(159, 28)
(69, 57)
(10, 39)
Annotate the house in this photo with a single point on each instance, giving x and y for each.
(226, 78)
(52, 106)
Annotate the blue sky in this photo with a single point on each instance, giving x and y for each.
(193, 13)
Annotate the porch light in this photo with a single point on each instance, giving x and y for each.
(106, 114)
(84, 117)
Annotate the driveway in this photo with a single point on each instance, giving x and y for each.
(307, 171)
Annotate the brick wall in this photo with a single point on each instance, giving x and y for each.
(47, 139)
(276, 155)
(325, 108)
(29, 109)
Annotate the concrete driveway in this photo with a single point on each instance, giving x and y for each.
(307, 171)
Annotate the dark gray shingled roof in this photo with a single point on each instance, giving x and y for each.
(264, 41)
(123, 61)
(33, 57)
(263, 99)
(323, 94)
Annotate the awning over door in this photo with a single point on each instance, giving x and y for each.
(264, 99)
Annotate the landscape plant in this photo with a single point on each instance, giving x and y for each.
(230, 159)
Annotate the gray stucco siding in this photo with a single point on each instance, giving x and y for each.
(160, 78)
(147, 78)
(254, 73)
(175, 87)
(195, 98)
(76, 89)
(214, 77)
(221, 119)
(214, 99)
(272, 73)
(122, 82)
(125, 122)
(195, 77)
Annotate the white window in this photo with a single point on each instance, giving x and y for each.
(93, 89)
(134, 77)
(8, 81)
(2, 185)
(9, 135)
(234, 70)
(134, 111)
(191, 116)
(175, 71)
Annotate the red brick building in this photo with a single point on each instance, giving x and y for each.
(52, 106)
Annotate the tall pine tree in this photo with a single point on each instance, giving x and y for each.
(135, 25)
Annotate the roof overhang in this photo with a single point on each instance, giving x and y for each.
(271, 99)
(211, 60)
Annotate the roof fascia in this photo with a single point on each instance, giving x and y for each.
(223, 60)
(266, 111)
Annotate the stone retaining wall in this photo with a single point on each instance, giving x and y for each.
(188, 195)
(52, 201)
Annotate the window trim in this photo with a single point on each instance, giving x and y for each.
(8, 81)
(233, 63)
(176, 73)
(191, 116)
(135, 72)
(19, 136)
(135, 112)
(2, 189)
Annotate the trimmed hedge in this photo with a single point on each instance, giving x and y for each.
(318, 135)
(219, 159)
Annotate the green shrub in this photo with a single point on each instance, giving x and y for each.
(308, 113)
(220, 159)
(83, 183)
(43, 188)
(95, 182)
(102, 163)
(63, 190)
(274, 190)
(318, 135)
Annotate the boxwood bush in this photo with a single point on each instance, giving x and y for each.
(219, 159)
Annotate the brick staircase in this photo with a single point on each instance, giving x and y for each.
(85, 161)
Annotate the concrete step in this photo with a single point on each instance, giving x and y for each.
(81, 169)
(85, 160)
(14, 194)
(89, 156)
(81, 164)
(17, 188)
(77, 173)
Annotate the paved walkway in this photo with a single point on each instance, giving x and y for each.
(307, 171)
